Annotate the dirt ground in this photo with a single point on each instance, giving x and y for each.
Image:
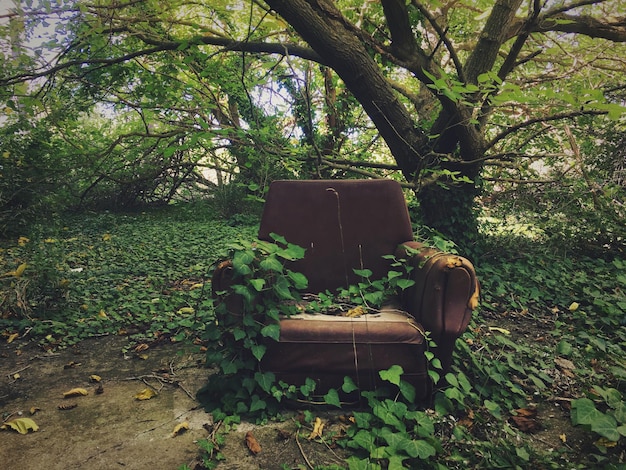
(113, 429)
(110, 428)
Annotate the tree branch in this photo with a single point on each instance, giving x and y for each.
(530, 122)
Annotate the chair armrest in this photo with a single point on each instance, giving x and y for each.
(446, 291)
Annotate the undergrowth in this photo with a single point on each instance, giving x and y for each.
(144, 275)
(548, 339)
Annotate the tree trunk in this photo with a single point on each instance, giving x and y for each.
(323, 27)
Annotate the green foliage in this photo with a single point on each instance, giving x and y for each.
(142, 275)
(610, 424)
(265, 288)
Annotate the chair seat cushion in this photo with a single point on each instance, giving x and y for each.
(384, 327)
(328, 348)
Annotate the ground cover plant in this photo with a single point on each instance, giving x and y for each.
(143, 274)
(538, 378)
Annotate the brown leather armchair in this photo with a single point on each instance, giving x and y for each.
(346, 225)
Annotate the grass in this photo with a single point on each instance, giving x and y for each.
(549, 332)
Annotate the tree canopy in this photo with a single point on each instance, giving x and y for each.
(516, 102)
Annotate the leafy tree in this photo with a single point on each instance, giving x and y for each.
(467, 96)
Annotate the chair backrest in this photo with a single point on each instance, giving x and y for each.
(343, 224)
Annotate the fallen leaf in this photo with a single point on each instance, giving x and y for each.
(34, 410)
(473, 301)
(20, 270)
(252, 444)
(102, 314)
(106, 237)
(573, 306)
(604, 442)
(180, 428)
(146, 394)
(318, 427)
(185, 310)
(355, 312)
(95, 378)
(563, 438)
(499, 330)
(12, 337)
(468, 420)
(67, 406)
(564, 363)
(141, 347)
(21, 425)
(525, 420)
(16, 376)
(453, 262)
(75, 392)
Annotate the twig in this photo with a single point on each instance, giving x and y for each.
(161, 381)
(302, 452)
(17, 371)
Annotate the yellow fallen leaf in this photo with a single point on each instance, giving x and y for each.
(146, 394)
(499, 330)
(180, 428)
(75, 392)
(12, 337)
(453, 262)
(186, 310)
(563, 438)
(21, 425)
(604, 442)
(473, 301)
(18, 272)
(34, 409)
(95, 378)
(102, 314)
(16, 376)
(573, 306)
(106, 237)
(50, 240)
(318, 427)
(355, 312)
(22, 241)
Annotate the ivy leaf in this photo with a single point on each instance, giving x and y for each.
(299, 280)
(419, 449)
(258, 284)
(271, 264)
(348, 385)
(257, 404)
(271, 331)
(281, 288)
(408, 391)
(405, 283)
(364, 439)
(332, 398)
(392, 374)
(258, 351)
(265, 380)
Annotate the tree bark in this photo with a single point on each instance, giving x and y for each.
(325, 29)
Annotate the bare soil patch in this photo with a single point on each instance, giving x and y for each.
(113, 429)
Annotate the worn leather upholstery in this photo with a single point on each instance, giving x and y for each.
(346, 225)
